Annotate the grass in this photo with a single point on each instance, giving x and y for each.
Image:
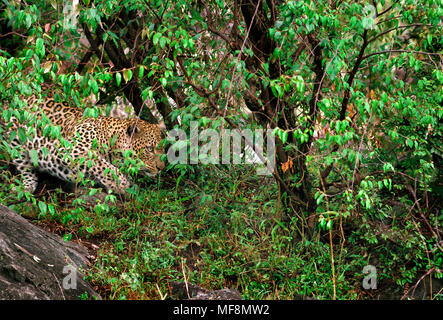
(216, 228)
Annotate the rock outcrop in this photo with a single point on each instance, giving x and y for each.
(35, 264)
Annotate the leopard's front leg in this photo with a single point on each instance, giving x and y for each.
(28, 175)
(108, 175)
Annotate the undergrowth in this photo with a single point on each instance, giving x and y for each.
(220, 227)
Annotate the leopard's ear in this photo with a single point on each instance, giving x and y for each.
(162, 125)
(132, 128)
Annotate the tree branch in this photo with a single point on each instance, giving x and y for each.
(387, 9)
(325, 173)
(394, 51)
(204, 93)
(396, 28)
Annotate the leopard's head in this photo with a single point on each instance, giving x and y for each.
(144, 140)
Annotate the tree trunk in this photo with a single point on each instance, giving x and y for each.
(275, 112)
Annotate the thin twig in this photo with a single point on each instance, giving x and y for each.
(399, 27)
(239, 56)
(418, 282)
(58, 283)
(186, 281)
(399, 50)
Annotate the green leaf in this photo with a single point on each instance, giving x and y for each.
(387, 166)
(284, 136)
(333, 68)
(94, 86)
(353, 21)
(380, 185)
(320, 198)
(195, 14)
(147, 93)
(34, 156)
(322, 223)
(118, 78)
(22, 135)
(141, 71)
(276, 89)
(127, 75)
(43, 207)
(272, 32)
(156, 38)
(51, 209)
(429, 39)
(40, 47)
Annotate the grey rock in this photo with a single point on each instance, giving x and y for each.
(35, 264)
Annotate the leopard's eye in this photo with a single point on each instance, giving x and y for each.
(150, 149)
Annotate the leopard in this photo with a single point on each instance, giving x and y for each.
(88, 148)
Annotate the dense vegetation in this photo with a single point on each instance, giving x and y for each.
(352, 91)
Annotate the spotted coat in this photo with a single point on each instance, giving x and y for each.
(88, 148)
